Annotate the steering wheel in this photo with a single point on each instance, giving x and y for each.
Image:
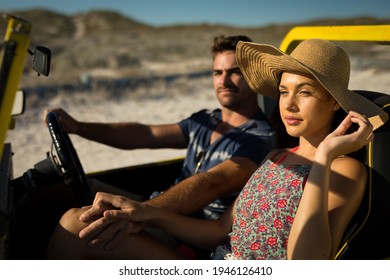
(68, 165)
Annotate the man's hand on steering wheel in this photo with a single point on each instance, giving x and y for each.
(68, 123)
(68, 161)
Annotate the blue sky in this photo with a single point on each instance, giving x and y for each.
(232, 12)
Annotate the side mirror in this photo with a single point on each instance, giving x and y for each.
(41, 57)
(19, 103)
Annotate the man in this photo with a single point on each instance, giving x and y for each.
(224, 146)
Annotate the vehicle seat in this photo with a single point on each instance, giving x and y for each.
(366, 237)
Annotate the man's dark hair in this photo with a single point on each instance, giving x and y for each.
(226, 43)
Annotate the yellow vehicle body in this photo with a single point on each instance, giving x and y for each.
(18, 34)
(363, 33)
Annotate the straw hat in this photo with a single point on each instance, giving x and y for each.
(262, 66)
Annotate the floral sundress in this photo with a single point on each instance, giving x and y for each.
(265, 210)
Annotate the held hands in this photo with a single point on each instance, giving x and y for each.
(111, 218)
(338, 143)
(69, 124)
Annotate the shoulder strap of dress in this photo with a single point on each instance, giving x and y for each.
(286, 154)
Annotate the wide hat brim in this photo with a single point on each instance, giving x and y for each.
(262, 66)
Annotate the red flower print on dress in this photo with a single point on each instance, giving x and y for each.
(244, 193)
(234, 238)
(242, 224)
(249, 203)
(255, 246)
(279, 190)
(282, 203)
(272, 241)
(255, 214)
(270, 175)
(260, 188)
(278, 223)
(237, 254)
(264, 206)
(290, 219)
(274, 182)
(295, 183)
(262, 228)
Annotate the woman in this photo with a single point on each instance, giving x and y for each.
(297, 205)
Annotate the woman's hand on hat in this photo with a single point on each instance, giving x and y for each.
(339, 143)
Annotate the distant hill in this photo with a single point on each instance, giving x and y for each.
(83, 43)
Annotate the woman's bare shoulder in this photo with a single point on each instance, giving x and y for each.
(347, 170)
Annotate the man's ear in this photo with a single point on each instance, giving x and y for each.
(336, 106)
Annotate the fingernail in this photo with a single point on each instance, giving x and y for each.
(92, 243)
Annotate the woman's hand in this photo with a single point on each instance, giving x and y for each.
(338, 143)
(111, 218)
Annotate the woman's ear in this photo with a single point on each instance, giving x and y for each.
(336, 106)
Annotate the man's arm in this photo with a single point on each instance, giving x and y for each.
(195, 192)
(134, 135)
(124, 135)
